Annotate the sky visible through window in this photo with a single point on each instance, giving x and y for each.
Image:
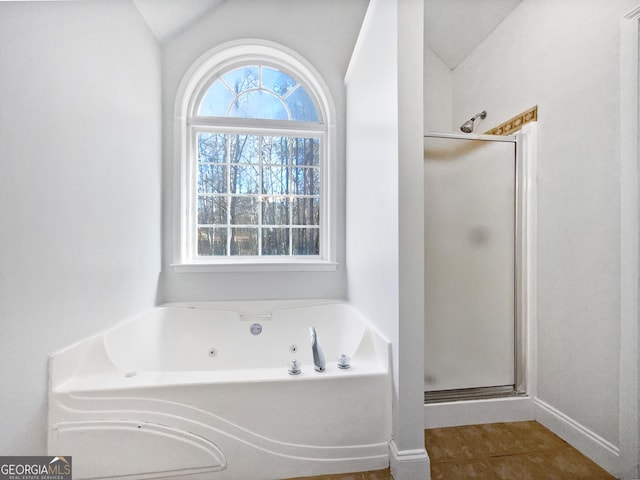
(258, 92)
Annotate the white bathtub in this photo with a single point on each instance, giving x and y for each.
(188, 391)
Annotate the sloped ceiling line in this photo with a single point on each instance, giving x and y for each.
(167, 18)
(454, 28)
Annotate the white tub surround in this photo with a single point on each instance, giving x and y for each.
(190, 390)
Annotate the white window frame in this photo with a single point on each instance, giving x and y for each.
(208, 67)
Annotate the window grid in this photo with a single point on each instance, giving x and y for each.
(265, 205)
(230, 96)
(259, 87)
(261, 196)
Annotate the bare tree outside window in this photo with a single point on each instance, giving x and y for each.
(257, 194)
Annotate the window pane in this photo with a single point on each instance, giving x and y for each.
(306, 241)
(212, 210)
(216, 101)
(241, 93)
(275, 241)
(306, 181)
(212, 147)
(259, 104)
(306, 211)
(244, 210)
(301, 106)
(244, 241)
(275, 180)
(212, 178)
(244, 149)
(306, 151)
(242, 79)
(244, 179)
(275, 211)
(275, 150)
(212, 241)
(276, 81)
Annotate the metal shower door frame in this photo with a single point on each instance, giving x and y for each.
(522, 281)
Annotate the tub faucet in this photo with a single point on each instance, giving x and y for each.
(318, 356)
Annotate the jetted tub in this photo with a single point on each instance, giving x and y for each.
(191, 391)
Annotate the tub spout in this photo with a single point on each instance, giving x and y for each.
(318, 356)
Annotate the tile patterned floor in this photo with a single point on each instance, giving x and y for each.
(518, 450)
(496, 451)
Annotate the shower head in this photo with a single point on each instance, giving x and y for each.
(467, 127)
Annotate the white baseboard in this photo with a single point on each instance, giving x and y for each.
(473, 412)
(598, 449)
(409, 464)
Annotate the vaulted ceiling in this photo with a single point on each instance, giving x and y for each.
(453, 28)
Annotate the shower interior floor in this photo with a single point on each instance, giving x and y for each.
(496, 451)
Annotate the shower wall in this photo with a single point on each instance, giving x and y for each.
(544, 54)
(469, 204)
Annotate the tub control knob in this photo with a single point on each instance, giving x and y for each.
(294, 367)
(344, 361)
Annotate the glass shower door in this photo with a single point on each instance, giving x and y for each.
(470, 246)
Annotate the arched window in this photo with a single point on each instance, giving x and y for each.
(255, 160)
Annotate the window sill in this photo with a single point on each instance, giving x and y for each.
(253, 266)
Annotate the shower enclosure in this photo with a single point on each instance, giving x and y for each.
(473, 245)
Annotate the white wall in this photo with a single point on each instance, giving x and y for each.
(384, 198)
(372, 150)
(629, 242)
(438, 93)
(79, 189)
(324, 34)
(410, 441)
(563, 57)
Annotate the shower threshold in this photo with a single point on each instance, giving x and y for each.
(479, 393)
